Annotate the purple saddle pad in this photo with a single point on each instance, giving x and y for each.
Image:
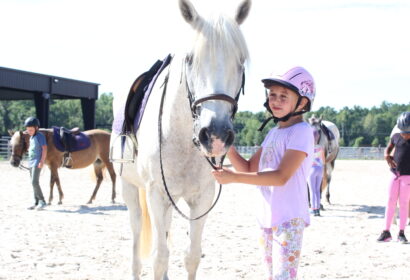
(77, 142)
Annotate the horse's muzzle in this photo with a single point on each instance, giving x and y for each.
(15, 162)
(215, 144)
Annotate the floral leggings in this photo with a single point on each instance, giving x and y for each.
(282, 246)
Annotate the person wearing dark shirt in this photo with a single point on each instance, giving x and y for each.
(399, 189)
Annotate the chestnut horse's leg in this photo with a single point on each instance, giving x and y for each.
(55, 179)
(110, 167)
(113, 178)
(98, 168)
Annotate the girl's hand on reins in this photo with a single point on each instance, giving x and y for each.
(224, 175)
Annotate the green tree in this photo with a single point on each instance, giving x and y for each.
(103, 111)
(375, 142)
(358, 141)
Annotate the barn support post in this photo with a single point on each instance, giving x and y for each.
(88, 108)
(42, 103)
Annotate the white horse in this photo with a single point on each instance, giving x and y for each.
(331, 149)
(212, 72)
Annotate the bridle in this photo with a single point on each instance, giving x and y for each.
(194, 104)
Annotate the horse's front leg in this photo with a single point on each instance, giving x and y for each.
(130, 195)
(161, 216)
(198, 206)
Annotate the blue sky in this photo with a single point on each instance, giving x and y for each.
(358, 51)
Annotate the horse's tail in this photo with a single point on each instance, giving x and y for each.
(146, 230)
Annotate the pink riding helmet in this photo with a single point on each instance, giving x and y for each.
(297, 79)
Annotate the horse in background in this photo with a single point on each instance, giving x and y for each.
(195, 97)
(329, 136)
(97, 154)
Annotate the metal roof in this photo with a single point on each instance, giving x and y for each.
(18, 84)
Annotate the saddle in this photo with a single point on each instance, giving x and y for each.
(128, 118)
(69, 140)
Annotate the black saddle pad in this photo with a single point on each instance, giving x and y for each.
(128, 118)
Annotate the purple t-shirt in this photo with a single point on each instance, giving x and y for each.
(284, 203)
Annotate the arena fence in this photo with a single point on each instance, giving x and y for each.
(5, 149)
(344, 152)
(247, 151)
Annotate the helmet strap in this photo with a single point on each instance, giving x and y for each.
(284, 118)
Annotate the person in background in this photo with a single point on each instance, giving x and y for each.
(399, 188)
(316, 175)
(37, 153)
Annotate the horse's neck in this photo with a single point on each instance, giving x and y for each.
(48, 133)
(177, 116)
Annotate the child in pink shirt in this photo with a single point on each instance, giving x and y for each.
(280, 170)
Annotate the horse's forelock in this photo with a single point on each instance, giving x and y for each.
(15, 139)
(214, 33)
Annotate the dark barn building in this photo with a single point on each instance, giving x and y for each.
(23, 85)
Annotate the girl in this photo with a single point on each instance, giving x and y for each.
(280, 169)
(316, 175)
(37, 154)
(400, 183)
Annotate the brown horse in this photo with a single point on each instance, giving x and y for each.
(97, 154)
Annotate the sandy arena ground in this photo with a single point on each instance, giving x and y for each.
(80, 241)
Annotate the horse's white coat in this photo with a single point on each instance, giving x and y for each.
(218, 55)
(331, 149)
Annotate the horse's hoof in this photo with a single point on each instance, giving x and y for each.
(90, 202)
(113, 201)
(60, 202)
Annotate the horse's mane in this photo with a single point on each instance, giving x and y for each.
(214, 33)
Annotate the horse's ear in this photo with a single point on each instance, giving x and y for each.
(188, 11)
(11, 132)
(243, 11)
(321, 118)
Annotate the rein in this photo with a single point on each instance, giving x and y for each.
(194, 105)
(161, 165)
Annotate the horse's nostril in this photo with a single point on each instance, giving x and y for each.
(230, 138)
(204, 135)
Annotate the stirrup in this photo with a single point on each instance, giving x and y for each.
(121, 159)
(67, 161)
